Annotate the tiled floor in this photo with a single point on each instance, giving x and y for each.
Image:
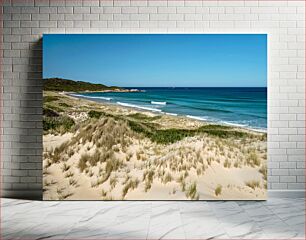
(273, 219)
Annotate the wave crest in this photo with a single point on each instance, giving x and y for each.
(84, 96)
(158, 103)
(139, 107)
(197, 117)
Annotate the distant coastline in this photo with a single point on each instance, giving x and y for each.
(214, 109)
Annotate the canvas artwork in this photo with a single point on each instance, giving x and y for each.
(155, 116)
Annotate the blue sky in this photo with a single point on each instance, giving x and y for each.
(158, 60)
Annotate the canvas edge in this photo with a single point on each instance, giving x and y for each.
(37, 194)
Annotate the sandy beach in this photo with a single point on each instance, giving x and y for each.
(101, 151)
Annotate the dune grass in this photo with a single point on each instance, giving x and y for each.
(191, 192)
(95, 114)
(47, 99)
(218, 190)
(143, 117)
(264, 172)
(253, 184)
(60, 124)
(252, 159)
(82, 165)
(130, 184)
(168, 136)
(107, 140)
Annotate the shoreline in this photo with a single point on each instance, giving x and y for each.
(107, 101)
(113, 152)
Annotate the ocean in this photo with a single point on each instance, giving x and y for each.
(237, 106)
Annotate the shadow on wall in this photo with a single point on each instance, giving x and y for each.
(29, 147)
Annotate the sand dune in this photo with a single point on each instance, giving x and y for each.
(113, 152)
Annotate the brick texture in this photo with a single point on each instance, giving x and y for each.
(24, 22)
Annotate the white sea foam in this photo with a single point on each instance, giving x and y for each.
(234, 124)
(103, 98)
(92, 97)
(262, 130)
(139, 107)
(158, 103)
(196, 117)
(171, 114)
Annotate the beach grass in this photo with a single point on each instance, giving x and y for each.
(127, 152)
(218, 190)
(60, 124)
(253, 184)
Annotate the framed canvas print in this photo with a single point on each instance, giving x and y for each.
(155, 116)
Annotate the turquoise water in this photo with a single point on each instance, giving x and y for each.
(234, 106)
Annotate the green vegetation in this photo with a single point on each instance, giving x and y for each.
(263, 171)
(131, 184)
(55, 108)
(95, 114)
(253, 184)
(143, 117)
(252, 159)
(49, 113)
(64, 105)
(49, 99)
(60, 124)
(82, 165)
(191, 192)
(143, 124)
(59, 84)
(223, 131)
(166, 136)
(218, 190)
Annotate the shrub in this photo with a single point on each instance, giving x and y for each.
(49, 113)
(64, 105)
(252, 159)
(192, 192)
(65, 167)
(167, 178)
(60, 124)
(49, 99)
(95, 158)
(227, 164)
(141, 116)
(73, 182)
(113, 181)
(69, 174)
(218, 190)
(82, 165)
(131, 184)
(95, 114)
(253, 184)
(263, 171)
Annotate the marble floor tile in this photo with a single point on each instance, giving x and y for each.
(165, 221)
(272, 219)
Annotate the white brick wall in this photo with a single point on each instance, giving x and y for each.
(24, 22)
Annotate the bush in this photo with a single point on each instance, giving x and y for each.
(192, 192)
(49, 99)
(49, 113)
(263, 171)
(82, 165)
(64, 104)
(95, 114)
(253, 184)
(141, 116)
(252, 159)
(131, 184)
(59, 124)
(218, 190)
(167, 136)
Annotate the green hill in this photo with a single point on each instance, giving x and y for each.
(59, 84)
